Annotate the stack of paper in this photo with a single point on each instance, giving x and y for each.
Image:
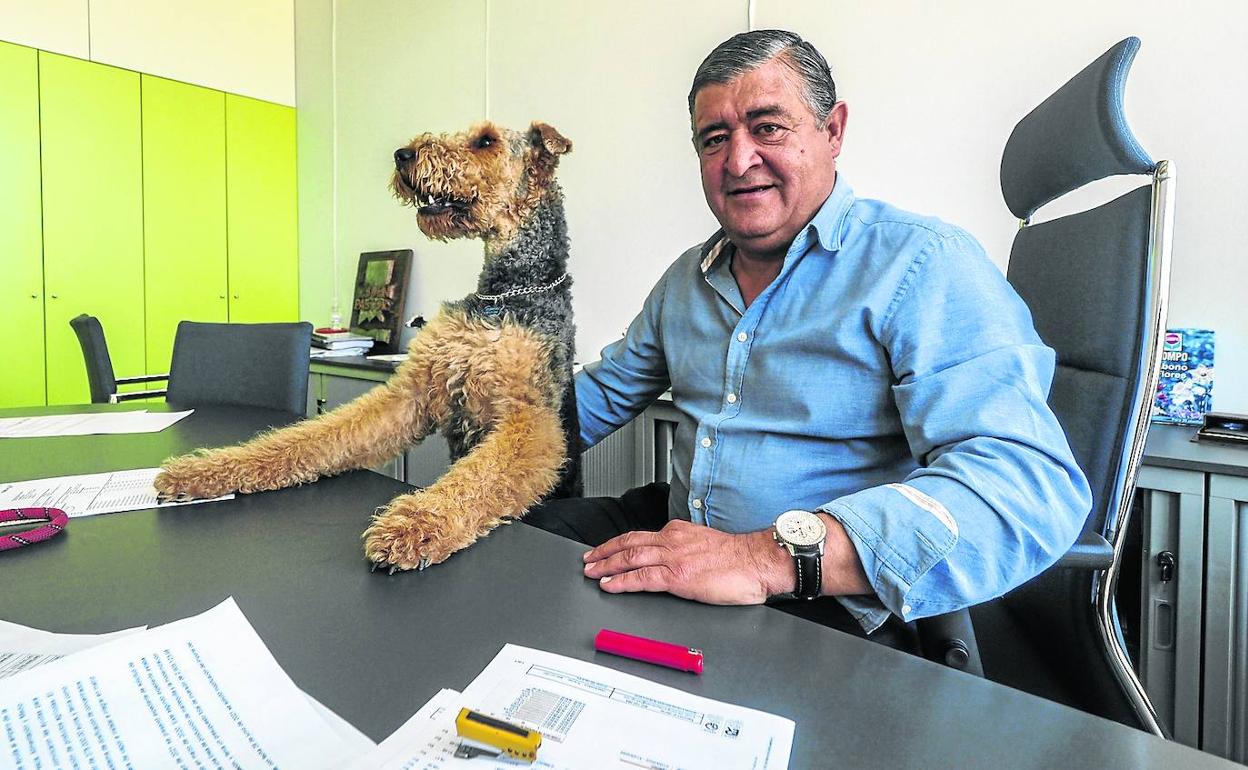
(589, 717)
(201, 692)
(206, 692)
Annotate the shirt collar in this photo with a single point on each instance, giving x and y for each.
(828, 225)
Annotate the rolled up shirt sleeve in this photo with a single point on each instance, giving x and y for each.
(997, 496)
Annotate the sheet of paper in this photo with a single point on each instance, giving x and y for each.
(200, 692)
(140, 421)
(427, 741)
(355, 743)
(589, 716)
(90, 494)
(22, 647)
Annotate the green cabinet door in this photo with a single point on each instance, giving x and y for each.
(260, 198)
(21, 229)
(92, 216)
(183, 211)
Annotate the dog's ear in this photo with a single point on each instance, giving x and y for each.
(544, 137)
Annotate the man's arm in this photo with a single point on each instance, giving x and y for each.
(630, 374)
(997, 497)
(713, 567)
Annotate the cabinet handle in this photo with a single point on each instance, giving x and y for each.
(34, 296)
(55, 297)
(1166, 564)
(222, 296)
(235, 296)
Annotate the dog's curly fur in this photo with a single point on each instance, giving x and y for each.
(494, 376)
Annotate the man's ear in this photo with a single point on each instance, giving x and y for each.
(838, 119)
(548, 140)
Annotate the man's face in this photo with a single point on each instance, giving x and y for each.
(767, 163)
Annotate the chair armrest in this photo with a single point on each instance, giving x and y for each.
(949, 639)
(1090, 551)
(143, 378)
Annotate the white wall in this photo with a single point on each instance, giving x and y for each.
(933, 87)
(59, 26)
(240, 46)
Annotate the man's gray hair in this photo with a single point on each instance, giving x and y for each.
(747, 51)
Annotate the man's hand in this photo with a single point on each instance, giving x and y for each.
(693, 562)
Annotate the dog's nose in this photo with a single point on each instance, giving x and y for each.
(403, 155)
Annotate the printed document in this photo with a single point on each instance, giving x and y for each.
(139, 421)
(589, 716)
(22, 647)
(200, 692)
(90, 494)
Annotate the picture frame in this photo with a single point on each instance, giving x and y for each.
(380, 297)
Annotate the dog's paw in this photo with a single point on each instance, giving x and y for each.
(408, 534)
(193, 477)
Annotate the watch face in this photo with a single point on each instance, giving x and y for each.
(801, 528)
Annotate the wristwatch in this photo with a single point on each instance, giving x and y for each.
(802, 533)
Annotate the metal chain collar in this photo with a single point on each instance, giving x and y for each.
(523, 290)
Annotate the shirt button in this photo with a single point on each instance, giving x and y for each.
(697, 502)
(905, 610)
(706, 442)
(732, 398)
(742, 337)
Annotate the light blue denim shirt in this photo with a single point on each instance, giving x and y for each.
(889, 376)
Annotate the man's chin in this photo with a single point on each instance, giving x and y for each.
(756, 236)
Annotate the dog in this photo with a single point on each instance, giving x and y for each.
(492, 372)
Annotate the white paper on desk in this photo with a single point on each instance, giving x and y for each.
(22, 647)
(90, 494)
(423, 742)
(590, 717)
(200, 692)
(138, 421)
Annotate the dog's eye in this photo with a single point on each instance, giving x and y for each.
(485, 140)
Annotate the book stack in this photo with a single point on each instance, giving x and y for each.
(326, 344)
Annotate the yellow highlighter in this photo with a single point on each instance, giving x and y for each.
(487, 736)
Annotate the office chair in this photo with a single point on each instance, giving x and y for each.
(1097, 284)
(100, 376)
(263, 365)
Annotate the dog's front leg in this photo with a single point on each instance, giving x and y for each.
(370, 430)
(511, 469)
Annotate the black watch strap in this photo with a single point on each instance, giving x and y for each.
(809, 575)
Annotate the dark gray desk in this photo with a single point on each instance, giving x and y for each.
(375, 647)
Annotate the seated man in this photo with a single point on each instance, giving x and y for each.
(861, 393)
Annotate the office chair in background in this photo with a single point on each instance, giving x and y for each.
(1097, 284)
(100, 375)
(262, 365)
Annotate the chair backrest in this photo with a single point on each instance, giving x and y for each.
(1096, 283)
(100, 375)
(264, 365)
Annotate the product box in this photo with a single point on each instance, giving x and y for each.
(1185, 388)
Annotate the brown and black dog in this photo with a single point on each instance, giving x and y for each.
(492, 372)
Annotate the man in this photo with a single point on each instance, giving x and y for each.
(862, 395)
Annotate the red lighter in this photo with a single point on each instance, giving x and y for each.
(649, 650)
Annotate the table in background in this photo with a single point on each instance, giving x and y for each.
(374, 647)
